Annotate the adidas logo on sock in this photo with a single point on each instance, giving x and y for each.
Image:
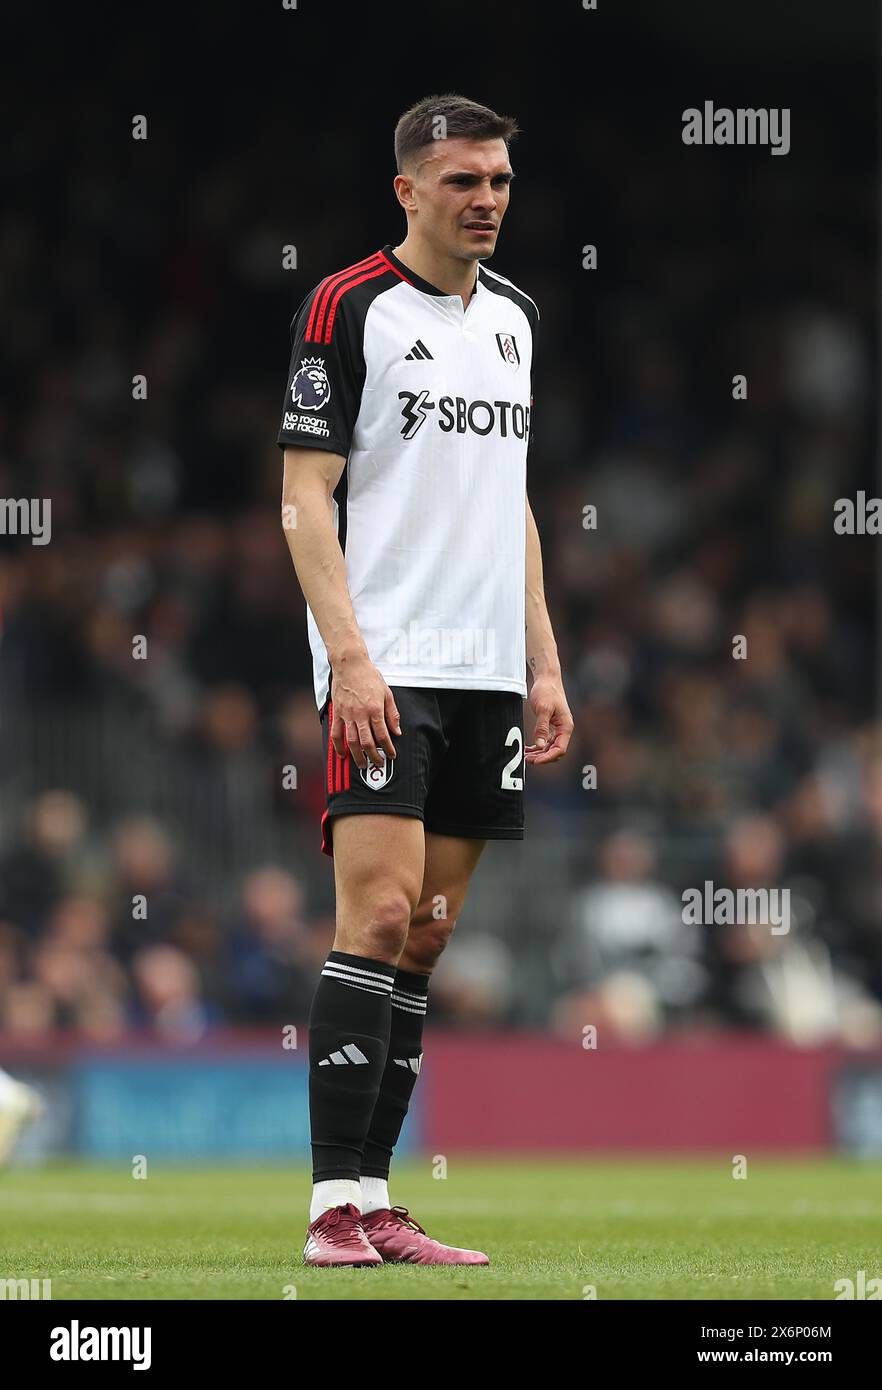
(413, 1062)
(348, 1053)
(419, 352)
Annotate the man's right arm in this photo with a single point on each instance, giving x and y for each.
(363, 705)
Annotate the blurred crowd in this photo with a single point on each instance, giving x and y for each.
(105, 932)
(692, 760)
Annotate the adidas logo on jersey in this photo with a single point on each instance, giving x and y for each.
(348, 1053)
(419, 352)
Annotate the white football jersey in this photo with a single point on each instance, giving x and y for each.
(430, 405)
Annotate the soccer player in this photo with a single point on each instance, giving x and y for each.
(19, 1106)
(405, 429)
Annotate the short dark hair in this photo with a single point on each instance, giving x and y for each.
(419, 127)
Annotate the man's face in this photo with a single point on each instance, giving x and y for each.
(459, 192)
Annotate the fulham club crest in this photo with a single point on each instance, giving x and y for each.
(377, 777)
(508, 350)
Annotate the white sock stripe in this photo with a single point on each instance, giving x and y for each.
(356, 984)
(377, 980)
(406, 1009)
(350, 984)
(411, 994)
(341, 979)
(371, 974)
(410, 998)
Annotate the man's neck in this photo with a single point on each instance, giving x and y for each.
(446, 273)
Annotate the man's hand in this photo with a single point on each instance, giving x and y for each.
(364, 712)
(554, 722)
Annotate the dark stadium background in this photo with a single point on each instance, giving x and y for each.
(164, 777)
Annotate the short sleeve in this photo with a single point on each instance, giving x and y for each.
(534, 323)
(325, 379)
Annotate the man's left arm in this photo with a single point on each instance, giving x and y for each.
(554, 722)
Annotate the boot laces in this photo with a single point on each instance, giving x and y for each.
(340, 1224)
(406, 1219)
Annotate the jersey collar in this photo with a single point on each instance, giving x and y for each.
(417, 280)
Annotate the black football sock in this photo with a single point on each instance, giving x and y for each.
(348, 1041)
(409, 999)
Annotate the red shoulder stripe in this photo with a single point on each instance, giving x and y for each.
(325, 284)
(319, 304)
(394, 268)
(350, 285)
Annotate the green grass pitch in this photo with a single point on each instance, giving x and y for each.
(647, 1229)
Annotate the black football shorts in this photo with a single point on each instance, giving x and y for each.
(459, 766)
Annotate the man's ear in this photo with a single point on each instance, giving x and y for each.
(403, 185)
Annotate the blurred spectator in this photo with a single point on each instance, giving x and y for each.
(39, 865)
(167, 995)
(473, 983)
(270, 970)
(149, 895)
(628, 956)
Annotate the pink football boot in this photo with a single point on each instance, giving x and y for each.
(401, 1240)
(337, 1238)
